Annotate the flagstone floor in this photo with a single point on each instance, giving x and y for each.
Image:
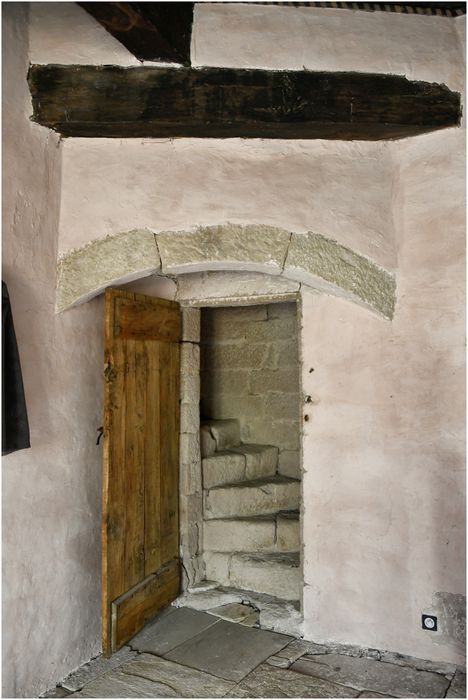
(187, 653)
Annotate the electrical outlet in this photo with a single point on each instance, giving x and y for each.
(429, 622)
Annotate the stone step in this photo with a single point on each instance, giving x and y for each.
(224, 433)
(276, 574)
(261, 534)
(250, 498)
(245, 462)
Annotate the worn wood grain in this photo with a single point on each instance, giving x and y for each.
(153, 554)
(151, 31)
(115, 101)
(133, 609)
(137, 320)
(140, 467)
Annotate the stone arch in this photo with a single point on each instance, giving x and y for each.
(309, 258)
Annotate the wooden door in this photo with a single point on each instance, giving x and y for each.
(140, 528)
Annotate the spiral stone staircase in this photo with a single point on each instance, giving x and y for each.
(251, 519)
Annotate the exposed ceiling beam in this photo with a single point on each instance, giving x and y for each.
(151, 31)
(112, 101)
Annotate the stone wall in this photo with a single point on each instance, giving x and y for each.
(250, 371)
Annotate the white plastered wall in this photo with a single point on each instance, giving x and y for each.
(51, 492)
(383, 450)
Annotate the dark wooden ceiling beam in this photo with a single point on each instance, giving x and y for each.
(151, 31)
(112, 101)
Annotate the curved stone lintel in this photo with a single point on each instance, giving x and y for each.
(86, 272)
(326, 265)
(255, 248)
(311, 259)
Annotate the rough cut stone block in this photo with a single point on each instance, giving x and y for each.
(189, 418)
(227, 405)
(289, 463)
(193, 570)
(272, 332)
(190, 448)
(152, 677)
(234, 316)
(190, 523)
(97, 667)
(223, 468)
(330, 267)
(275, 614)
(287, 354)
(368, 674)
(191, 324)
(288, 532)
(283, 406)
(206, 286)
(235, 612)
(207, 442)
(279, 615)
(260, 460)
(123, 257)
(278, 575)
(190, 477)
(266, 681)
(225, 432)
(282, 432)
(219, 357)
(283, 310)
(228, 381)
(217, 567)
(242, 535)
(189, 358)
(256, 248)
(261, 497)
(190, 388)
(286, 380)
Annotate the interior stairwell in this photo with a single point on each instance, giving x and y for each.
(251, 515)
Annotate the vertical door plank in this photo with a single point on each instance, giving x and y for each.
(134, 457)
(152, 461)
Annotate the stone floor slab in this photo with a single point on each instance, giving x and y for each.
(171, 629)
(151, 676)
(97, 667)
(278, 661)
(58, 692)
(299, 647)
(228, 650)
(369, 674)
(421, 664)
(457, 686)
(236, 612)
(270, 682)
